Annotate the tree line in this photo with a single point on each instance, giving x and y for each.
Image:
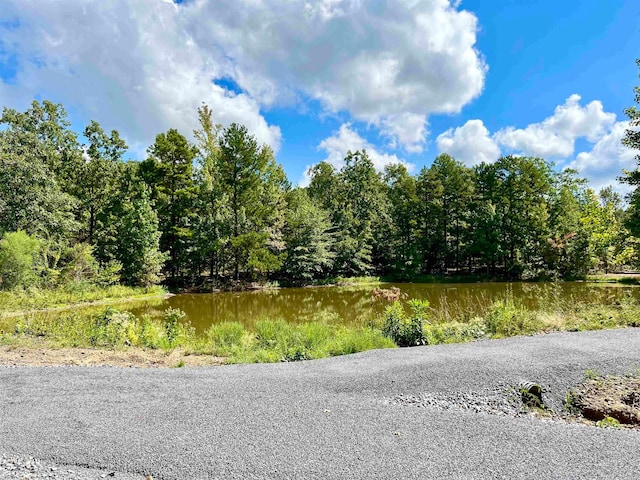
(221, 207)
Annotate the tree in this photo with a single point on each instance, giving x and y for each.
(429, 190)
(454, 181)
(169, 173)
(632, 140)
(308, 238)
(254, 185)
(130, 237)
(43, 132)
(212, 206)
(401, 246)
(30, 197)
(97, 176)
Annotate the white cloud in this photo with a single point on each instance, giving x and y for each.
(131, 66)
(555, 136)
(607, 159)
(385, 63)
(348, 140)
(408, 129)
(143, 66)
(471, 143)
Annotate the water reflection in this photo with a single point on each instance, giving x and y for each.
(353, 305)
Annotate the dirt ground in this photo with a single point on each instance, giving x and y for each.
(616, 397)
(21, 356)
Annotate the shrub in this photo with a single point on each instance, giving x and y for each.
(405, 330)
(18, 252)
(174, 328)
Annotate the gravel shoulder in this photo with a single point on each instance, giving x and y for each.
(407, 413)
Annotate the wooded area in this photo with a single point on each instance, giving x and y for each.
(222, 207)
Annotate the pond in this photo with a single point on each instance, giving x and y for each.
(354, 305)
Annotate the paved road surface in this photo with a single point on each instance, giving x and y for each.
(332, 418)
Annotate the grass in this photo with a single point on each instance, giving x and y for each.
(72, 294)
(347, 281)
(270, 341)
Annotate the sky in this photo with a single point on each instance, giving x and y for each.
(407, 80)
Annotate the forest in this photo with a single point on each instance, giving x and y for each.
(219, 210)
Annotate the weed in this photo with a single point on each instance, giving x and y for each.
(406, 330)
(608, 422)
(591, 374)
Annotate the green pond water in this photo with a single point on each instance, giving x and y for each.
(353, 305)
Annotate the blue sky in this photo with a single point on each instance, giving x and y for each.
(407, 80)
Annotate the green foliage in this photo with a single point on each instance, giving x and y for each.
(35, 298)
(169, 173)
(506, 319)
(308, 237)
(107, 329)
(174, 327)
(18, 260)
(224, 207)
(406, 330)
(608, 422)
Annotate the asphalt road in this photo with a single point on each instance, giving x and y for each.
(332, 418)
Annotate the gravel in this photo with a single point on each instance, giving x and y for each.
(29, 468)
(424, 412)
(502, 400)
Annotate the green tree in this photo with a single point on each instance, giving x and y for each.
(169, 173)
(131, 236)
(308, 237)
(30, 197)
(453, 179)
(97, 176)
(44, 132)
(402, 241)
(632, 141)
(510, 227)
(429, 190)
(254, 185)
(212, 205)
(362, 213)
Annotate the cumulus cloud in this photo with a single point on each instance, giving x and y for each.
(604, 163)
(555, 136)
(346, 140)
(131, 66)
(471, 143)
(389, 64)
(145, 65)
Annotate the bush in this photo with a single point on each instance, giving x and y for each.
(176, 331)
(18, 254)
(405, 330)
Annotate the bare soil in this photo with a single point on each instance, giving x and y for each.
(36, 356)
(616, 397)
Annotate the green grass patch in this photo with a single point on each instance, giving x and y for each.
(72, 294)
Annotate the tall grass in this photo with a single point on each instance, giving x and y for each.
(269, 341)
(74, 293)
